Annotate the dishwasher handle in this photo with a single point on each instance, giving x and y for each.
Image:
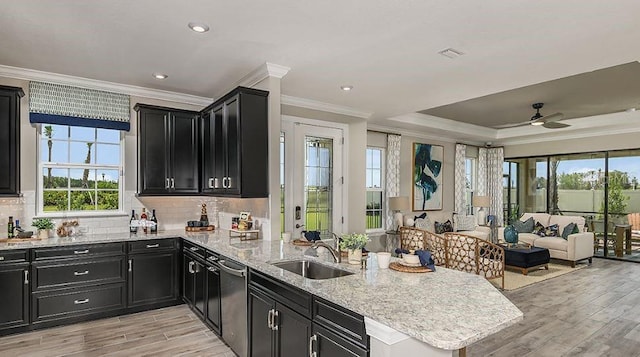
(236, 272)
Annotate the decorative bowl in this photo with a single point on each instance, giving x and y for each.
(411, 258)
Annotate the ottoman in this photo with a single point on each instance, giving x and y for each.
(525, 258)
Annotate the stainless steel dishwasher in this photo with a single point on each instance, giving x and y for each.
(233, 289)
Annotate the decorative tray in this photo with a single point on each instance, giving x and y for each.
(409, 269)
(18, 240)
(200, 229)
(301, 242)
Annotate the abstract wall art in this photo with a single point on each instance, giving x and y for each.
(427, 177)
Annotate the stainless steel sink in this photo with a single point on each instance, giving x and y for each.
(312, 270)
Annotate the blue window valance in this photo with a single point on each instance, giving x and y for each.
(51, 103)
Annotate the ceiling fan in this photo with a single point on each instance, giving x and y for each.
(550, 121)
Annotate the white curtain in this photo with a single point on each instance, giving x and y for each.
(490, 162)
(460, 179)
(393, 173)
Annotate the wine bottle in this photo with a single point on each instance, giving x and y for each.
(154, 227)
(10, 227)
(133, 226)
(143, 220)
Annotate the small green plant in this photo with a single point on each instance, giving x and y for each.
(354, 241)
(42, 223)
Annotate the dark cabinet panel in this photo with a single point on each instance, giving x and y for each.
(61, 304)
(78, 251)
(260, 331)
(14, 299)
(326, 343)
(194, 283)
(67, 273)
(152, 278)
(235, 145)
(212, 317)
(10, 140)
(168, 154)
(292, 332)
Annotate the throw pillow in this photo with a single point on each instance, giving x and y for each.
(466, 223)
(568, 230)
(423, 223)
(443, 227)
(526, 226)
(539, 229)
(551, 231)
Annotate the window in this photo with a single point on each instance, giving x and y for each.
(470, 183)
(375, 188)
(81, 170)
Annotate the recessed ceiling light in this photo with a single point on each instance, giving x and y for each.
(450, 53)
(198, 27)
(346, 88)
(159, 75)
(631, 110)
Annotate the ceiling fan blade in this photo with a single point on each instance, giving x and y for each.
(552, 117)
(555, 125)
(511, 125)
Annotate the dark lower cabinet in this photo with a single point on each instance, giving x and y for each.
(212, 309)
(14, 295)
(153, 278)
(194, 283)
(325, 342)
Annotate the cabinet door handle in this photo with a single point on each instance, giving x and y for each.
(153, 245)
(210, 182)
(275, 320)
(77, 273)
(130, 265)
(269, 319)
(1, 259)
(173, 183)
(81, 251)
(224, 182)
(228, 182)
(26, 277)
(216, 182)
(311, 340)
(167, 183)
(212, 269)
(80, 302)
(191, 267)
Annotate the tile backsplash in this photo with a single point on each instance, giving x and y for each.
(172, 212)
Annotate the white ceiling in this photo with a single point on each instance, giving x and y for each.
(386, 49)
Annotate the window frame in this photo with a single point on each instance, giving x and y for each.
(382, 189)
(41, 166)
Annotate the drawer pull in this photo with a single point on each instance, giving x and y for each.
(26, 277)
(77, 273)
(80, 302)
(212, 269)
(153, 245)
(81, 251)
(213, 259)
(1, 259)
(194, 249)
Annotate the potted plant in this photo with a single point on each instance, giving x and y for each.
(353, 244)
(43, 225)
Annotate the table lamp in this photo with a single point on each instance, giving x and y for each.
(397, 205)
(482, 202)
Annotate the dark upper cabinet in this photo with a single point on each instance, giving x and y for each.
(168, 151)
(235, 145)
(10, 140)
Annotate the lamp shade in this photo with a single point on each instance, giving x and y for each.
(400, 203)
(481, 201)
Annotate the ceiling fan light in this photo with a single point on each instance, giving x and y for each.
(537, 123)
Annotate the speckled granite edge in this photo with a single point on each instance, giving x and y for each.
(447, 309)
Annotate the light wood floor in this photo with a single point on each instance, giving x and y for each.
(591, 312)
(173, 331)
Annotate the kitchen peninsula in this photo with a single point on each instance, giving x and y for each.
(434, 313)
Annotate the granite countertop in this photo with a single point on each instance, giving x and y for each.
(447, 309)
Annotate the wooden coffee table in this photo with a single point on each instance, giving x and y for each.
(524, 257)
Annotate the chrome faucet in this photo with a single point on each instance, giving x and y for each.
(335, 252)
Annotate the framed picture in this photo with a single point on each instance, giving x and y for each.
(427, 177)
(244, 216)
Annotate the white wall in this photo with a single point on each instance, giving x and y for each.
(570, 146)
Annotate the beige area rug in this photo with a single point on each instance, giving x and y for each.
(514, 279)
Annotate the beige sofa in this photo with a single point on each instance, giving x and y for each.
(578, 246)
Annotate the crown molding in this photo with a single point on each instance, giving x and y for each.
(411, 133)
(35, 75)
(262, 72)
(322, 106)
(451, 126)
